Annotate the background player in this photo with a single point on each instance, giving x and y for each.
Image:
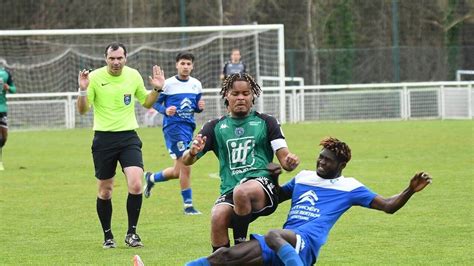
(234, 65)
(179, 101)
(6, 86)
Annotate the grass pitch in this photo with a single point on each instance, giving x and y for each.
(48, 192)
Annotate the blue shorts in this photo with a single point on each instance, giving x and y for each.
(270, 257)
(177, 141)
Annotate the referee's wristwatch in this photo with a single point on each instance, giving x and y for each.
(158, 90)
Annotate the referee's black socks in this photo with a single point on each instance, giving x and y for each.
(104, 211)
(134, 204)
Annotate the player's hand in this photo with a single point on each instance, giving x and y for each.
(198, 144)
(157, 79)
(292, 161)
(201, 105)
(420, 181)
(83, 79)
(170, 111)
(5, 87)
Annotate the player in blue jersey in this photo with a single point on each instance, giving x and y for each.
(6, 86)
(318, 199)
(178, 102)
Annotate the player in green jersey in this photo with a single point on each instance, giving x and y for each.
(244, 142)
(112, 91)
(6, 86)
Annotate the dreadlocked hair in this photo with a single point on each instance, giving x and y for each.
(229, 81)
(340, 148)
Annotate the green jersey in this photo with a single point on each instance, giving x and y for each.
(5, 77)
(113, 98)
(243, 146)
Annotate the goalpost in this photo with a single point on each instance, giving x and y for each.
(48, 61)
(461, 72)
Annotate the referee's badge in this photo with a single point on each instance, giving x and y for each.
(127, 99)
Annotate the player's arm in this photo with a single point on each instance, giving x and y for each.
(159, 104)
(82, 103)
(190, 156)
(223, 74)
(202, 143)
(394, 203)
(289, 161)
(275, 171)
(9, 85)
(285, 192)
(200, 103)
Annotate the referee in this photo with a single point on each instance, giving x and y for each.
(112, 91)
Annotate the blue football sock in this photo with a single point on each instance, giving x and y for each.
(289, 256)
(199, 262)
(158, 177)
(187, 195)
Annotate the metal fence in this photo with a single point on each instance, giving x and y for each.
(385, 101)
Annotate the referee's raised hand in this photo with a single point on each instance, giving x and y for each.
(83, 79)
(157, 79)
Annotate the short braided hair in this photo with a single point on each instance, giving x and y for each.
(229, 81)
(340, 148)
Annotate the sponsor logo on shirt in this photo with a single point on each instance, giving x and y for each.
(309, 196)
(304, 211)
(241, 156)
(186, 104)
(185, 110)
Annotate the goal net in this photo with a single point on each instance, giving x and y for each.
(48, 61)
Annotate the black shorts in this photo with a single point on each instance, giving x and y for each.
(270, 191)
(3, 120)
(108, 148)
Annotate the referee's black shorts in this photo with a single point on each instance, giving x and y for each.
(108, 148)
